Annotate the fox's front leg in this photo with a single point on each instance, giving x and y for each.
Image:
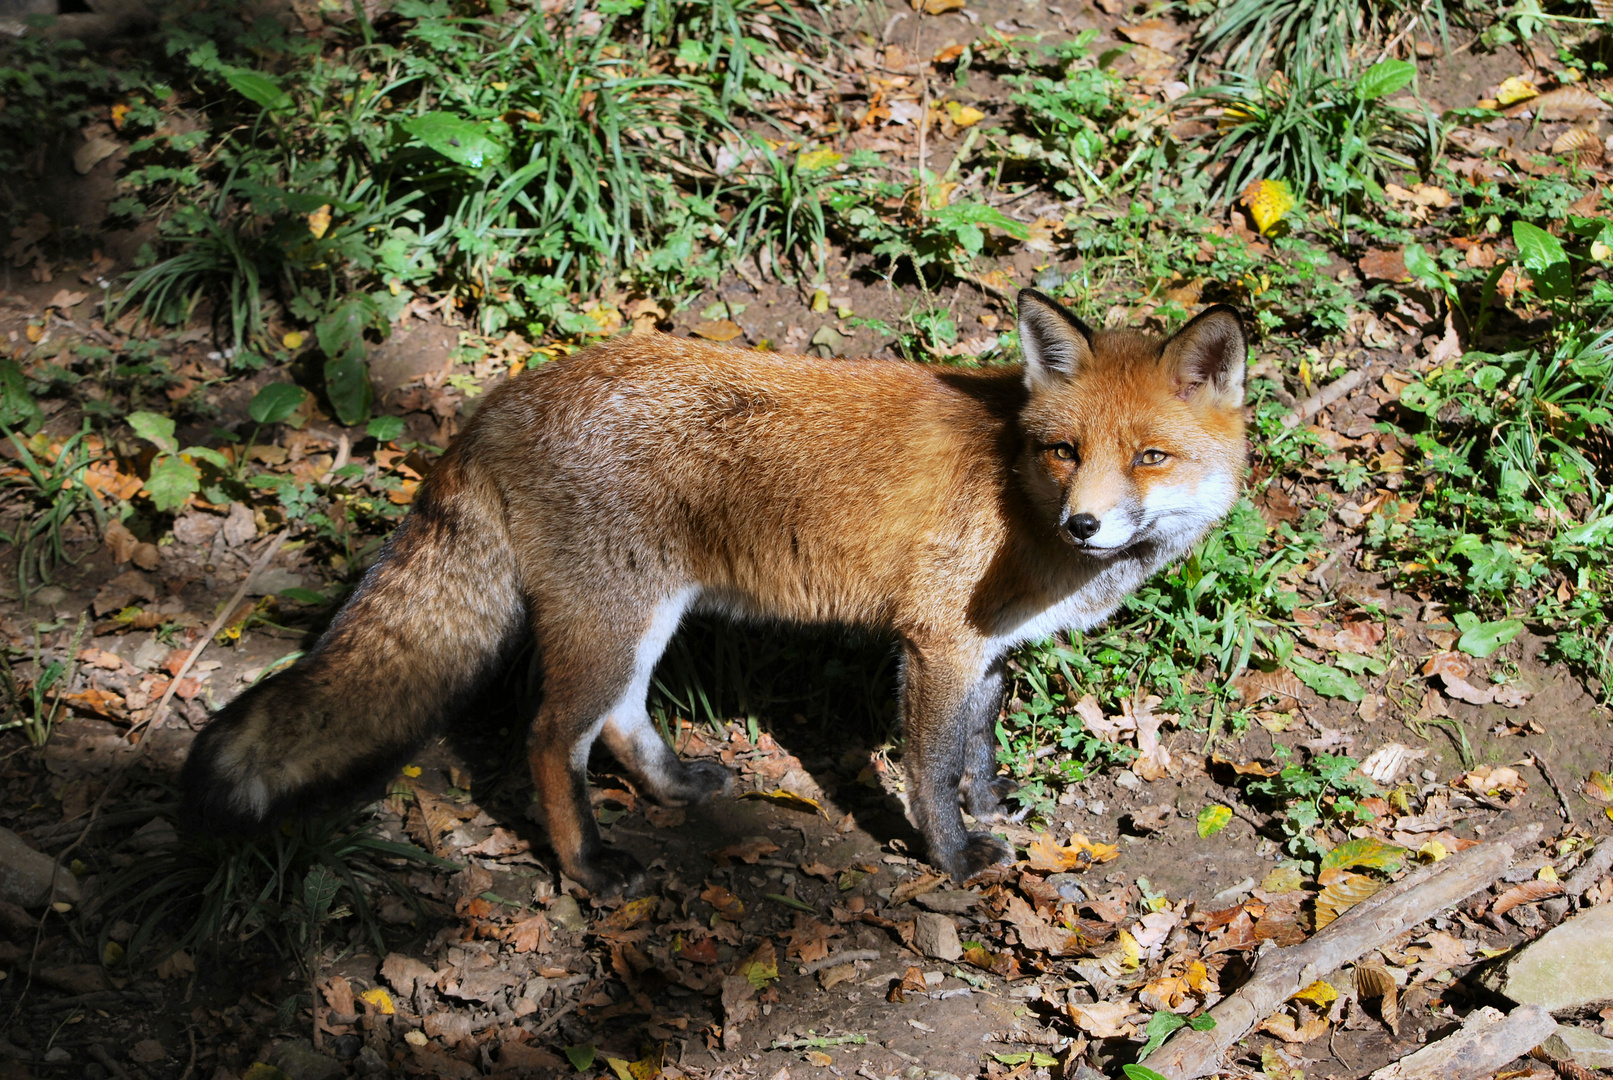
(984, 790)
(938, 689)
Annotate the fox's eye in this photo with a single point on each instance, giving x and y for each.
(1152, 457)
(1064, 451)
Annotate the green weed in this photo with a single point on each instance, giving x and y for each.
(45, 493)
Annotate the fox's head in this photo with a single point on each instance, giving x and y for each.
(1132, 439)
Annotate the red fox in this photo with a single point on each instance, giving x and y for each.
(593, 502)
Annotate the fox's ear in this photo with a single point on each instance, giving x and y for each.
(1056, 344)
(1209, 355)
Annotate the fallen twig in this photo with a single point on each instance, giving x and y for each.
(1281, 973)
(1326, 396)
(1551, 781)
(818, 1042)
(1592, 870)
(1485, 1042)
(155, 719)
(851, 955)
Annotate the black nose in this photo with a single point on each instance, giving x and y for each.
(1082, 526)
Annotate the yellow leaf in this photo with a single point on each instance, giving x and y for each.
(379, 1000)
(1600, 251)
(1212, 819)
(718, 330)
(1283, 879)
(1269, 201)
(259, 1071)
(1547, 873)
(820, 158)
(788, 799)
(964, 115)
(1319, 993)
(1432, 851)
(1366, 851)
(411, 771)
(1516, 89)
(319, 222)
(1044, 853)
(819, 1058)
(820, 301)
(112, 954)
(118, 113)
(35, 331)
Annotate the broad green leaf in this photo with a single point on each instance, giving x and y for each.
(1140, 1072)
(1159, 1028)
(1385, 77)
(581, 1057)
(258, 88)
(341, 329)
(1212, 819)
(275, 402)
(457, 139)
(1422, 266)
(384, 428)
(347, 384)
(172, 481)
(1037, 1059)
(303, 596)
(1367, 851)
(18, 409)
(155, 429)
(1538, 250)
(207, 454)
(1325, 680)
(1484, 638)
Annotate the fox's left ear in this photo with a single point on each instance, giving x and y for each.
(1209, 354)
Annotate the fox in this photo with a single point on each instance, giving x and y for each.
(593, 502)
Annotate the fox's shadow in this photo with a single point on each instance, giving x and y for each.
(826, 696)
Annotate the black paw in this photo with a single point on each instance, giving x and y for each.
(979, 852)
(984, 798)
(696, 782)
(608, 873)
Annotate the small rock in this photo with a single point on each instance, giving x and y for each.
(347, 1046)
(50, 596)
(565, 914)
(298, 1059)
(150, 655)
(154, 834)
(239, 527)
(56, 1055)
(26, 875)
(948, 901)
(147, 1052)
(276, 579)
(1568, 968)
(1069, 887)
(1583, 1046)
(370, 1063)
(935, 936)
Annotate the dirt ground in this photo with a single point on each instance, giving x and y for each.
(509, 967)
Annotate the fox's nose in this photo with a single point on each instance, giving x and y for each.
(1082, 526)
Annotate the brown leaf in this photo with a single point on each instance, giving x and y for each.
(339, 995)
(502, 842)
(1446, 663)
(723, 329)
(529, 935)
(747, 851)
(728, 905)
(1373, 982)
(1254, 684)
(917, 886)
(1383, 264)
(1342, 894)
(1462, 690)
(120, 541)
(1036, 933)
(1044, 853)
(1289, 1030)
(1526, 892)
(1104, 1019)
(1567, 103)
(1155, 33)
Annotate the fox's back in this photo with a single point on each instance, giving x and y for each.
(818, 487)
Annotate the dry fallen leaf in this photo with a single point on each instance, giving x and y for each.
(718, 330)
(1526, 892)
(1373, 981)
(1104, 1019)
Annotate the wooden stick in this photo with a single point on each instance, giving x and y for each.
(155, 719)
(1485, 1042)
(1281, 973)
(836, 960)
(1326, 396)
(1592, 870)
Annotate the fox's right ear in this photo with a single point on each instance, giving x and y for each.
(1056, 344)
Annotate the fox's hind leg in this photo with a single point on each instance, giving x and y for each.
(596, 669)
(983, 790)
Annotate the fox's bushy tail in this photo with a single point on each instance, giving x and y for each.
(439, 611)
